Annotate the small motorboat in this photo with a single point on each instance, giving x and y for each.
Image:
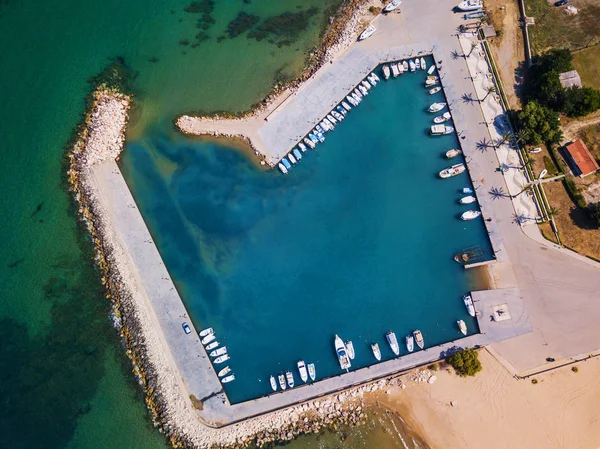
(286, 163)
(453, 153)
(470, 5)
(435, 90)
(210, 337)
(318, 129)
(405, 65)
(357, 98)
(376, 351)
(412, 65)
(273, 383)
(372, 82)
(367, 33)
(297, 154)
(221, 359)
(342, 108)
(302, 147)
(393, 342)
(313, 138)
(436, 107)
(391, 6)
(417, 63)
(357, 92)
(386, 71)
(321, 137)
(423, 64)
(535, 150)
(467, 200)
(217, 352)
(350, 349)
(467, 190)
(470, 215)
(375, 77)
(311, 371)
(442, 118)
(449, 172)
(282, 168)
(224, 371)
(328, 123)
(351, 100)
(292, 158)
(342, 353)
(363, 90)
(309, 142)
(410, 343)
(212, 345)
(430, 83)
(339, 117)
(431, 70)
(302, 371)
(440, 130)
(281, 379)
(400, 68)
(331, 119)
(419, 338)
(462, 327)
(205, 332)
(290, 378)
(395, 70)
(228, 378)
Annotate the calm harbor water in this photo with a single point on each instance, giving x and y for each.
(357, 240)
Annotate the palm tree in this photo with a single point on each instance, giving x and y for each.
(474, 45)
(553, 211)
(506, 137)
(489, 90)
(521, 136)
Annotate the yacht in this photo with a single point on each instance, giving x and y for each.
(311, 371)
(393, 342)
(221, 359)
(391, 6)
(302, 371)
(290, 378)
(405, 66)
(470, 215)
(212, 345)
(417, 63)
(286, 163)
(386, 71)
(435, 90)
(467, 199)
(470, 5)
(449, 172)
(376, 351)
(217, 352)
(346, 106)
(395, 70)
(206, 340)
(423, 64)
(410, 343)
(367, 33)
(292, 158)
(469, 304)
(419, 338)
(297, 154)
(350, 349)
(281, 379)
(309, 142)
(442, 118)
(412, 65)
(352, 101)
(436, 107)
(340, 350)
(224, 371)
(462, 327)
(439, 130)
(205, 332)
(453, 153)
(273, 383)
(228, 378)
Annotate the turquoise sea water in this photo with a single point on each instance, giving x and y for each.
(357, 240)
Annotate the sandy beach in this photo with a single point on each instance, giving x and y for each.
(495, 410)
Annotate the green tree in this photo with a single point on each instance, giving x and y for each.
(465, 362)
(539, 124)
(559, 59)
(594, 210)
(580, 101)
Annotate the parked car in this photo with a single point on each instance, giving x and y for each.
(186, 328)
(561, 2)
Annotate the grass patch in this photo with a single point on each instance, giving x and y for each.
(549, 165)
(547, 232)
(587, 64)
(591, 136)
(497, 76)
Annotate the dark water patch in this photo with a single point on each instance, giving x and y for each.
(184, 42)
(242, 23)
(201, 7)
(37, 209)
(282, 29)
(16, 263)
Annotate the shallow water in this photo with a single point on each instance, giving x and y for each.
(357, 240)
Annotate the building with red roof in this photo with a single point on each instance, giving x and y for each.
(581, 160)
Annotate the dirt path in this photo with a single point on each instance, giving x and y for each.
(572, 128)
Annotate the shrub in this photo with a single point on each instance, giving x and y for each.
(575, 369)
(433, 367)
(575, 193)
(549, 165)
(374, 10)
(580, 101)
(539, 124)
(594, 210)
(534, 381)
(465, 362)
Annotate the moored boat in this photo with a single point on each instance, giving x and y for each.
(467, 190)
(229, 378)
(346, 106)
(391, 6)
(321, 137)
(462, 327)
(439, 130)
(423, 64)
(341, 109)
(470, 5)
(470, 215)
(372, 81)
(400, 68)
(367, 33)
(282, 168)
(363, 90)
(410, 343)
(436, 107)
(357, 98)
(456, 169)
(297, 154)
(221, 359)
(206, 340)
(412, 65)
(453, 153)
(312, 372)
(405, 65)
(292, 158)
(467, 199)
(281, 379)
(417, 63)
(419, 338)
(273, 383)
(431, 70)
(339, 117)
(217, 352)
(435, 90)
(386, 71)
(313, 138)
(342, 354)
(393, 342)
(395, 70)
(352, 101)
(287, 164)
(357, 92)
(309, 142)
(224, 371)
(328, 123)
(350, 349)
(442, 118)
(205, 332)
(375, 77)
(331, 119)
(376, 351)
(212, 345)
(318, 129)
(289, 376)
(302, 147)
(302, 371)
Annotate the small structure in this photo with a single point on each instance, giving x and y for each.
(580, 159)
(570, 79)
(489, 32)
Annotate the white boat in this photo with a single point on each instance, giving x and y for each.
(535, 150)
(363, 90)
(357, 98)
(439, 130)
(350, 349)
(221, 359)
(332, 119)
(290, 378)
(212, 345)
(367, 33)
(302, 147)
(462, 327)
(453, 153)
(375, 77)
(400, 68)
(467, 190)
(206, 340)
(470, 5)
(412, 65)
(391, 6)
(435, 90)
(419, 338)
(405, 66)
(292, 158)
(273, 383)
(309, 142)
(346, 106)
(372, 81)
(302, 370)
(417, 63)
(351, 100)
(205, 332)
(395, 70)
(423, 64)
(217, 352)
(436, 107)
(376, 351)
(456, 169)
(410, 343)
(228, 378)
(297, 154)
(339, 117)
(430, 83)
(442, 118)
(386, 71)
(393, 342)
(342, 354)
(432, 78)
(328, 123)
(282, 168)
(311, 371)
(357, 92)
(469, 304)
(287, 164)
(281, 379)
(470, 215)
(467, 199)
(224, 371)
(431, 70)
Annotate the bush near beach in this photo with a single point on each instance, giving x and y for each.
(465, 362)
